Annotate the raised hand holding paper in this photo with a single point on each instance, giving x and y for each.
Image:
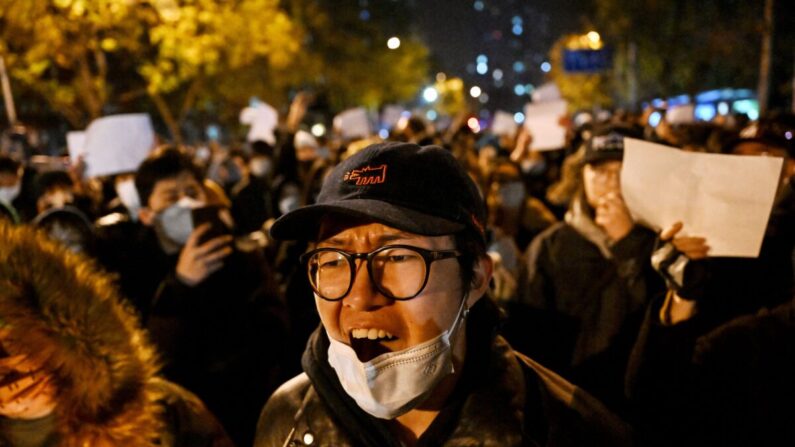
(117, 143)
(726, 199)
(263, 120)
(543, 121)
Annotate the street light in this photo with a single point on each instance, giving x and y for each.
(474, 91)
(430, 94)
(393, 43)
(318, 130)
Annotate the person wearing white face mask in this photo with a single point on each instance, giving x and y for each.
(406, 353)
(586, 281)
(208, 305)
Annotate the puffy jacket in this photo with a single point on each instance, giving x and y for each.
(60, 308)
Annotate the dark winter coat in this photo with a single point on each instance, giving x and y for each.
(502, 399)
(581, 302)
(732, 385)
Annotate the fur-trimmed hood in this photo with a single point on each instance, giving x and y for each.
(60, 307)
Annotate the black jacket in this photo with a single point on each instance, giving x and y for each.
(732, 385)
(224, 339)
(502, 399)
(581, 304)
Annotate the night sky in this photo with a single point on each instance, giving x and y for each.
(458, 31)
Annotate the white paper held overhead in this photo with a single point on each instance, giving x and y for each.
(542, 120)
(117, 143)
(726, 199)
(75, 144)
(353, 123)
(504, 124)
(263, 120)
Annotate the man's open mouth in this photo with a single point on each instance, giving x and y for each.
(369, 343)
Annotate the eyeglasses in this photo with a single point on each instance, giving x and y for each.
(399, 272)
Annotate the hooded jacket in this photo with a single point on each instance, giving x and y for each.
(59, 308)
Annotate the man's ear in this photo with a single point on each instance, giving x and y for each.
(146, 216)
(481, 278)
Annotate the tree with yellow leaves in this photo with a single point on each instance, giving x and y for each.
(82, 56)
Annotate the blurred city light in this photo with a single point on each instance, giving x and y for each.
(431, 115)
(479, 5)
(519, 89)
(474, 124)
(723, 108)
(482, 59)
(546, 67)
(383, 134)
(497, 74)
(482, 69)
(484, 98)
(474, 91)
(518, 66)
(517, 30)
(518, 117)
(655, 118)
(318, 130)
(364, 15)
(749, 107)
(430, 94)
(393, 43)
(594, 37)
(705, 112)
(441, 77)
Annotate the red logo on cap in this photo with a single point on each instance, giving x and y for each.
(367, 175)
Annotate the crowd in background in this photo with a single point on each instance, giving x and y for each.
(230, 313)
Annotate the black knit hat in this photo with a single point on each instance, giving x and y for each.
(422, 190)
(607, 143)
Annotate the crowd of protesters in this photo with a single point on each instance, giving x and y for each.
(701, 358)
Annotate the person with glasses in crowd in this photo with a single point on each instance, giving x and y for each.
(406, 353)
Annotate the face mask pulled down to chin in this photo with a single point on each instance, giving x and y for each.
(395, 382)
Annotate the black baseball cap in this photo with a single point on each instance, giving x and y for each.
(607, 143)
(422, 190)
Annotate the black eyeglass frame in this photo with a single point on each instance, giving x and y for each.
(429, 256)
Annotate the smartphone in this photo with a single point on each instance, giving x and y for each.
(210, 214)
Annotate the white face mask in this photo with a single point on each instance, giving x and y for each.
(289, 203)
(395, 382)
(260, 167)
(128, 195)
(176, 222)
(9, 193)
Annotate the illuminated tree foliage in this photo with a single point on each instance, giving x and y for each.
(86, 58)
(83, 55)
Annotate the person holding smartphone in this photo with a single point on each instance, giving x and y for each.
(208, 304)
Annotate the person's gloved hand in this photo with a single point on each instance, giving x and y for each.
(680, 260)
